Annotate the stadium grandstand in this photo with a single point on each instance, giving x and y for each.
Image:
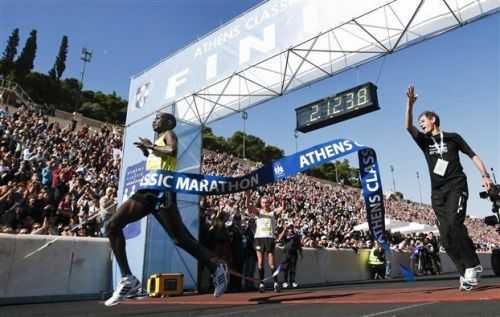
(59, 170)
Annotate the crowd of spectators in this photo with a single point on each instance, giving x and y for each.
(53, 177)
(324, 213)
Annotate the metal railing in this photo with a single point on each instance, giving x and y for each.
(12, 87)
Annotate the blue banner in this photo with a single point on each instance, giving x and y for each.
(279, 170)
(133, 176)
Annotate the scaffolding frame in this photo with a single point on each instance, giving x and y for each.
(393, 26)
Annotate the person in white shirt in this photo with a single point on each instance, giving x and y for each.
(265, 236)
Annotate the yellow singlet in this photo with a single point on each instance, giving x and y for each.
(167, 163)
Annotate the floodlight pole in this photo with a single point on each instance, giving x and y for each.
(393, 179)
(86, 57)
(244, 116)
(419, 187)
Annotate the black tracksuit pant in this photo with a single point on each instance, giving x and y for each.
(450, 205)
(290, 266)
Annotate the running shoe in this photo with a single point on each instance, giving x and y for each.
(128, 287)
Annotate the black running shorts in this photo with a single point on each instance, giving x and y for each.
(265, 245)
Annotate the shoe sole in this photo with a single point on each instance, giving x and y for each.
(128, 296)
(475, 283)
(467, 287)
(112, 304)
(138, 296)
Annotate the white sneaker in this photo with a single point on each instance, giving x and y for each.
(295, 285)
(220, 279)
(261, 287)
(126, 288)
(471, 275)
(277, 288)
(464, 286)
(284, 285)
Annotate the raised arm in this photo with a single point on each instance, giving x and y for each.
(280, 209)
(250, 207)
(281, 235)
(412, 98)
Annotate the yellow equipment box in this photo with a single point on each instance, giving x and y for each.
(165, 284)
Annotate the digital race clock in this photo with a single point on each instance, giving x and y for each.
(342, 106)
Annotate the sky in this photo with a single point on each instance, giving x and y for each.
(455, 74)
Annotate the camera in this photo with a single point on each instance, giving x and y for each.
(494, 195)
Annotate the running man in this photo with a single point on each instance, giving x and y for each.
(162, 155)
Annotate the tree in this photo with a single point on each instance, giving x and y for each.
(338, 170)
(93, 109)
(212, 142)
(70, 90)
(7, 61)
(60, 64)
(103, 107)
(272, 153)
(41, 88)
(24, 64)
(52, 73)
(254, 146)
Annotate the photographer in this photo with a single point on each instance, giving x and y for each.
(293, 248)
(434, 247)
(421, 258)
(449, 187)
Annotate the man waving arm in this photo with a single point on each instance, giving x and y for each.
(412, 98)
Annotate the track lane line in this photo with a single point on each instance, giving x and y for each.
(398, 309)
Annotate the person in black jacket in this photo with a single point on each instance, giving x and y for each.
(293, 248)
(249, 254)
(449, 187)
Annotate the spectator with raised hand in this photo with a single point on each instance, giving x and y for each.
(65, 210)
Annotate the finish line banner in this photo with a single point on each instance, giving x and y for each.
(279, 170)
